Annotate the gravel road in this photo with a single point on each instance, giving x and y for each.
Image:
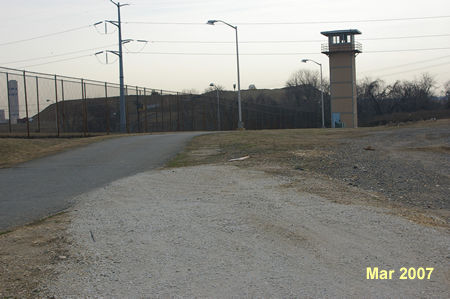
(221, 231)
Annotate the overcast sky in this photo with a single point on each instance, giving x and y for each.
(173, 69)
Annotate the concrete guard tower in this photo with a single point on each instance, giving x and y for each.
(342, 50)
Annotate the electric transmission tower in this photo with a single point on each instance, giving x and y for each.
(119, 54)
(118, 23)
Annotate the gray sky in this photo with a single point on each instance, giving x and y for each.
(178, 71)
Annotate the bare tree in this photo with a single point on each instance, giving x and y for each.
(371, 94)
(304, 77)
(214, 88)
(375, 98)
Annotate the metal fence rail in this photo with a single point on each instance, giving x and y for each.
(38, 104)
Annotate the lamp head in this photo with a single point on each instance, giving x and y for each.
(305, 60)
(211, 22)
(211, 84)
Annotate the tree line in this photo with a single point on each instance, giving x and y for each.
(378, 102)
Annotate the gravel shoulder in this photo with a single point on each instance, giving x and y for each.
(223, 231)
(410, 166)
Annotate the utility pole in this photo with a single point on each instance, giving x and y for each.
(118, 23)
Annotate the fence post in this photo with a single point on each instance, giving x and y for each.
(178, 112)
(156, 110)
(137, 110)
(9, 103)
(56, 106)
(126, 109)
(108, 129)
(37, 104)
(145, 109)
(26, 102)
(63, 109)
(170, 113)
(162, 111)
(83, 99)
(192, 114)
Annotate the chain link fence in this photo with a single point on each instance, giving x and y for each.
(37, 104)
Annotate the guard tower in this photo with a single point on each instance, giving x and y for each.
(342, 50)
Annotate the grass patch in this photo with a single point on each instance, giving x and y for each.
(284, 147)
(262, 146)
(180, 160)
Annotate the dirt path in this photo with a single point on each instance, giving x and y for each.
(221, 231)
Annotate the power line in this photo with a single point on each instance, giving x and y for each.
(346, 21)
(407, 50)
(279, 54)
(57, 55)
(405, 37)
(244, 23)
(414, 70)
(60, 60)
(221, 54)
(298, 23)
(45, 35)
(228, 54)
(291, 41)
(407, 64)
(218, 42)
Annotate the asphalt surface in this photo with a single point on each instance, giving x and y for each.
(39, 188)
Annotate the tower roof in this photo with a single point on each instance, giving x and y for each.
(339, 32)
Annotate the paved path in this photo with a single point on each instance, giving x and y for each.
(45, 186)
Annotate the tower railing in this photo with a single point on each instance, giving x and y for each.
(343, 47)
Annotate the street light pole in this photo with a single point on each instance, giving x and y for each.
(240, 123)
(321, 89)
(212, 22)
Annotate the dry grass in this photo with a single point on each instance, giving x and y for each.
(279, 146)
(266, 145)
(29, 254)
(18, 150)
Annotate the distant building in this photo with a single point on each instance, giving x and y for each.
(13, 97)
(2, 116)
